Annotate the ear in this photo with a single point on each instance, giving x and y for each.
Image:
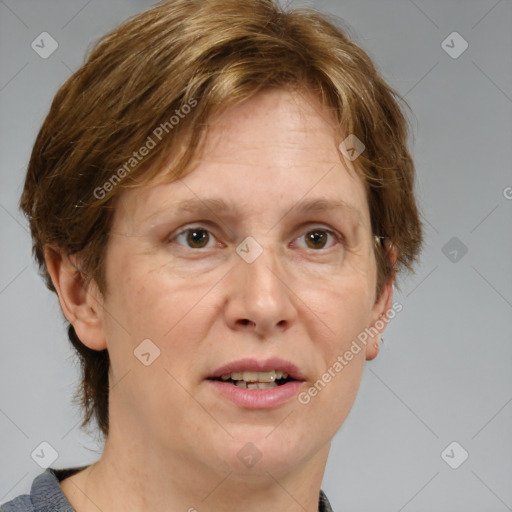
(379, 316)
(80, 300)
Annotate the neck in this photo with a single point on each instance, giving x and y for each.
(132, 476)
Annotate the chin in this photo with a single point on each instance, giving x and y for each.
(254, 452)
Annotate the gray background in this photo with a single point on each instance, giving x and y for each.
(444, 372)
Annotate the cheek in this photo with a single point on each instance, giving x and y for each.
(147, 302)
(343, 311)
(342, 307)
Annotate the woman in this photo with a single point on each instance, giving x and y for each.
(221, 198)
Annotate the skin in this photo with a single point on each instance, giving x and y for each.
(173, 440)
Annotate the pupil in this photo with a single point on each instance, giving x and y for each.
(198, 236)
(316, 236)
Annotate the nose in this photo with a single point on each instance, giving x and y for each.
(260, 297)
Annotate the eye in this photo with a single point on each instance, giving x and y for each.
(198, 238)
(195, 237)
(317, 238)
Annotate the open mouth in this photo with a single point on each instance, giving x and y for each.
(256, 380)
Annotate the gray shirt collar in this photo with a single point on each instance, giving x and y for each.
(47, 496)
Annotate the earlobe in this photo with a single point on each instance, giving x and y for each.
(379, 321)
(79, 298)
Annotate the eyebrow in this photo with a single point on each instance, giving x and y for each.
(217, 205)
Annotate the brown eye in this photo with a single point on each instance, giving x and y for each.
(193, 238)
(198, 236)
(318, 238)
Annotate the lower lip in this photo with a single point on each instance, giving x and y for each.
(257, 398)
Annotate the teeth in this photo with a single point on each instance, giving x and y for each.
(261, 385)
(259, 376)
(265, 377)
(255, 380)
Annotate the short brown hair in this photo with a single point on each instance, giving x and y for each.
(209, 55)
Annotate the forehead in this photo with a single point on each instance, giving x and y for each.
(278, 150)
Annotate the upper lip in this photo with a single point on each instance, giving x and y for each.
(255, 365)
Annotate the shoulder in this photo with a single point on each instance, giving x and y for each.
(45, 494)
(19, 504)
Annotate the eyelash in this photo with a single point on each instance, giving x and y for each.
(338, 237)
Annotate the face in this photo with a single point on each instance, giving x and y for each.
(182, 273)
